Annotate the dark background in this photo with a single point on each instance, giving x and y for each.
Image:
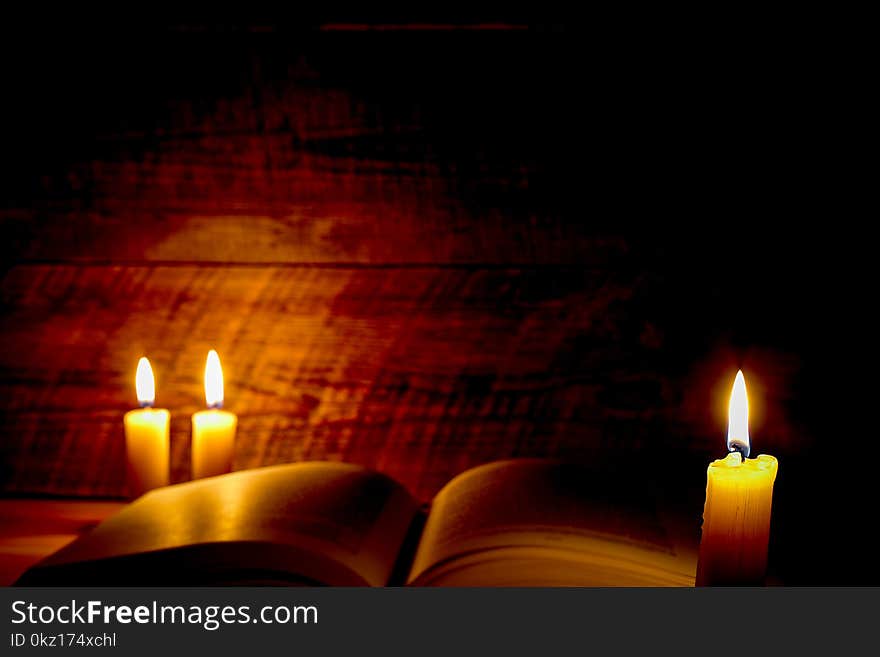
(426, 243)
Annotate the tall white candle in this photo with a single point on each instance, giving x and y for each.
(147, 445)
(213, 430)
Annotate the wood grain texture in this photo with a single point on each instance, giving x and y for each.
(418, 252)
(420, 373)
(348, 220)
(273, 149)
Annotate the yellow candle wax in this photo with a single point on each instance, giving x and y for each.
(736, 521)
(213, 441)
(739, 499)
(146, 437)
(213, 430)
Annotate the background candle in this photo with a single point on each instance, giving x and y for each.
(739, 497)
(146, 437)
(213, 431)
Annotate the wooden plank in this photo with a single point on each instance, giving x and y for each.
(420, 372)
(332, 229)
(346, 364)
(273, 150)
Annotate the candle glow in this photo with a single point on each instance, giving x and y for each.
(738, 417)
(145, 383)
(213, 381)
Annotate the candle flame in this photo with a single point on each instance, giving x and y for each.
(213, 381)
(144, 383)
(738, 417)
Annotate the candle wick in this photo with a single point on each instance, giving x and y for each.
(147, 404)
(743, 449)
(215, 406)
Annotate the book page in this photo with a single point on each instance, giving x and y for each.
(536, 522)
(330, 523)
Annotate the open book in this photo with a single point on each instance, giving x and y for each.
(522, 522)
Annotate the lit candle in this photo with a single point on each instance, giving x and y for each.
(146, 436)
(739, 495)
(213, 431)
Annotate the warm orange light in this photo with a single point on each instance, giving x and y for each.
(738, 417)
(213, 381)
(144, 383)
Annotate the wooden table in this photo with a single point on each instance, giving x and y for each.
(31, 529)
